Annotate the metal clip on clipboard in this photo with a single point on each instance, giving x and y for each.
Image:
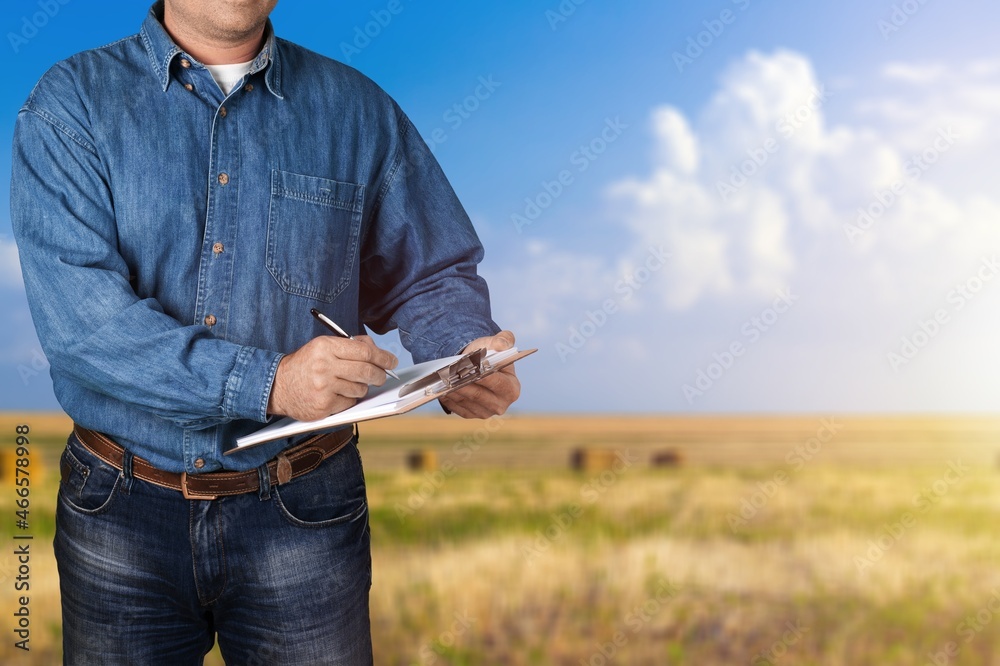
(469, 369)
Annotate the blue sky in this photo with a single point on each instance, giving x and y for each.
(772, 298)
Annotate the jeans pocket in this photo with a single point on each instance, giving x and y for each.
(313, 233)
(331, 494)
(88, 484)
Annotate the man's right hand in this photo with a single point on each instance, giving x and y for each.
(327, 375)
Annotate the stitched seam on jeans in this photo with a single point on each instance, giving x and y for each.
(321, 524)
(222, 549)
(194, 558)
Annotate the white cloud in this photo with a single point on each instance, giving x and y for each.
(918, 74)
(919, 98)
(679, 149)
(756, 191)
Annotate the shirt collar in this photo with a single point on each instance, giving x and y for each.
(162, 50)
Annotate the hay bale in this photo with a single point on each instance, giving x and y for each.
(422, 460)
(592, 460)
(667, 458)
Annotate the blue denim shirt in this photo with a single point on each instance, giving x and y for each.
(173, 239)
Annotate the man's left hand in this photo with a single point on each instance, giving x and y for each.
(492, 395)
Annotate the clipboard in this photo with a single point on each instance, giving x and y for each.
(416, 386)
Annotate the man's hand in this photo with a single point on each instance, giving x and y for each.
(494, 394)
(327, 375)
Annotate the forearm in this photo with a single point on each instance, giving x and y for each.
(180, 373)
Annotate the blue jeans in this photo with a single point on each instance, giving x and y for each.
(148, 577)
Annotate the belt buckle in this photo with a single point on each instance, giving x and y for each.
(188, 496)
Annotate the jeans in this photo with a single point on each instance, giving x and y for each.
(282, 576)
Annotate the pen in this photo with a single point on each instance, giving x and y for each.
(332, 325)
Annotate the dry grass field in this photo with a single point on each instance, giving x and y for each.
(805, 540)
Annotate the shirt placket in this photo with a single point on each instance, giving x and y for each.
(216, 265)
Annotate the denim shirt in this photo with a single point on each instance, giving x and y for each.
(173, 239)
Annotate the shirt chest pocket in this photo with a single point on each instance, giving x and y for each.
(313, 233)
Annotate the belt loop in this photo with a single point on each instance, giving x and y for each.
(127, 477)
(264, 493)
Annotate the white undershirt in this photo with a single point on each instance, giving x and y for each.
(227, 76)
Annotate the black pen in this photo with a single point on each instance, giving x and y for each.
(332, 325)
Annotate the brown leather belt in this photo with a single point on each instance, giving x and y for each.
(296, 461)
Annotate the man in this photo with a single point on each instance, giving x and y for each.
(181, 199)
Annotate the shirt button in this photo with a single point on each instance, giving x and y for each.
(199, 463)
(223, 178)
(185, 63)
(210, 320)
(223, 112)
(218, 248)
(188, 86)
(248, 87)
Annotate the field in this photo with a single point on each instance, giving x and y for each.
(806, 540)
